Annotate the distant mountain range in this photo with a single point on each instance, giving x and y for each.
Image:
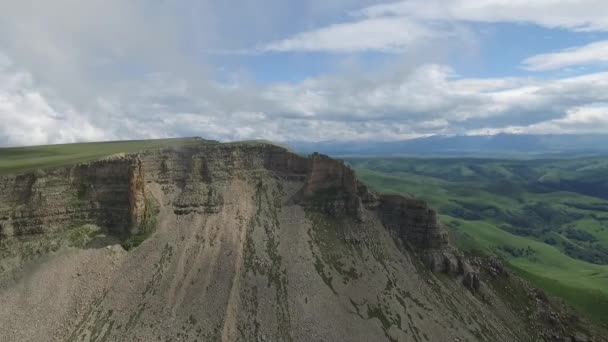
(558, 145)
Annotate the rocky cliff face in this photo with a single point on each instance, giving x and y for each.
(112, 192)
(413, 222)
(50, 200)
(252, 243)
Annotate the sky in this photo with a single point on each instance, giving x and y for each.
(300, 70)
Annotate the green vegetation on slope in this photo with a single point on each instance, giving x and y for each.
(583, 284)
(146, 228)
(21, 159)
(548, 219)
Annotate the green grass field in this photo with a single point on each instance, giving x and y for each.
(548, 219)
(22, 159)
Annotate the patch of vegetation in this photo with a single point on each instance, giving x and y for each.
(250, 261)
(327, 278)
(144, 232)
(329, 249)
(266, 217)
(153, 284)
(516, 252)
(96, 324)
(580, 235)
(15, 252)
(595, 256)
(592, 301)
(81, 236)
(376, 312)
(588, 206)
(146, 228)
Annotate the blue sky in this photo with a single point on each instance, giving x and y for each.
(350, 70)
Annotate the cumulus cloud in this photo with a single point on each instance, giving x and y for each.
(118, 69)
(429, 99)
(434, 94)
(594, 53)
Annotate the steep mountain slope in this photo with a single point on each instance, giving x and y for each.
(243, 242)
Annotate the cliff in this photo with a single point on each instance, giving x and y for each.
(239, 242)
(46, 201)
(111, 192)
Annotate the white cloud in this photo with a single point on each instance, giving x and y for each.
(28, 118)
(594, 53)
(578, 15)
(415, 93)
(399, 26)
(75, 76)
(380, 34)
(431, 99)
(424, 100)
(592, 119)
(595, 117)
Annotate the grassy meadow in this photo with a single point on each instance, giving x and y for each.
(22, 159)
(548, 219)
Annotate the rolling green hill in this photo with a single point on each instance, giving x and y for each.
(547, 218)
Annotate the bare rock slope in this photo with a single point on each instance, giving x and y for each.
(241, 242)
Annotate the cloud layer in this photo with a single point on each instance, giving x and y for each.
(397, 26)
(429, 99)
(117, 69)
(578, 15)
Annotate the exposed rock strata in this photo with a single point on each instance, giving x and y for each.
(417, 226)
(111, 192)
(137, 198)
(50, 200)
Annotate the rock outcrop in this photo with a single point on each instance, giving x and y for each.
(137, 196)
(47, 201)
(416, 225)
(413, 222)
(111, 192)
(333, 187)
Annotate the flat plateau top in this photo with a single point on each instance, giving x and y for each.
(22, 159)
